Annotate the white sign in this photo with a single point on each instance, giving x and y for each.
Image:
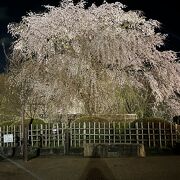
(8, 138)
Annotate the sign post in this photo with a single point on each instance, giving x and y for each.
(8, 138)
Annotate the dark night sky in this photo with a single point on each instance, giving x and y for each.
(167, 12)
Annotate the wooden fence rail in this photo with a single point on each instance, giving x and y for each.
(150, 134)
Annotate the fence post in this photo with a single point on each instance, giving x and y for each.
(149, 136)
(104, 126)
(137, 133)
(45, 136)
(14, 135)
(7, 132)
(114, 132)
(109, 133)
(75, 135)
(37, 135)
(154, 141)
(71, 134)
(63, 138)
(176, 132)
(54, 134)
(88, 130)
(0, 138)
(172, 143)
(57, 126)
(129, 132)
(49, 135)
(79, 135)
(99, 127)
(124, 132)
(119, 126)
(84, 133)
(20, 136)
(165, 140)
(94, 129)
(142, 133)
(41, 136)
(31, 136)
(160, 140)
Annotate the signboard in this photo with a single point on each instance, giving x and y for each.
(8, 138)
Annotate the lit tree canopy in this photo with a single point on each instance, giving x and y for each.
(84, 57)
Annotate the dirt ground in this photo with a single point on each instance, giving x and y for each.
(78, 168)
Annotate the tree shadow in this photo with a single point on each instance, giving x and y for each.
(97, 169)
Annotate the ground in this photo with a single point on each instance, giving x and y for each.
(78, 168)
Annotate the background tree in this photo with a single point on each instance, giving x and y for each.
(9, 101)
(80, 57)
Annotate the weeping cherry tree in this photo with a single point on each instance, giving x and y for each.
(79, 60)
